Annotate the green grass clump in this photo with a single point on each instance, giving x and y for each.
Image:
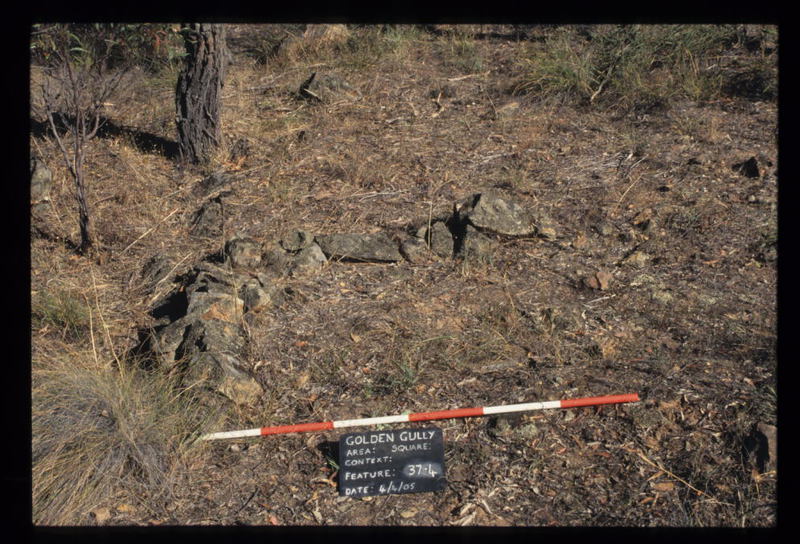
(462, 52)
(379, 45)
(631, 65)
(61, 310)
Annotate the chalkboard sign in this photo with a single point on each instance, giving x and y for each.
(389, 462)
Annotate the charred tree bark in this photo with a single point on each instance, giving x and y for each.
(198, 95)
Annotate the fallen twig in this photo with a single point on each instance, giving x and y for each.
(673, 475)
(148, 231)
(459, 78)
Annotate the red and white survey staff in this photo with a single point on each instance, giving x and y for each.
(425, 416)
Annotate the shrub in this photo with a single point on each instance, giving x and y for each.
(150, 46)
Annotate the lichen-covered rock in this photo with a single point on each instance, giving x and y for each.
(157, 268)
(41, 181)
(225, 307)
(212, 351)
(212, 183)
(325, 87)
(415, 250)
(276, 261)
(222, 372)
(308, 260)
(376, 247)
(257, 294)
(214, 335)
(237, 384)
(439, 239)
(207, 221)
(243, 253)
(493, 212)
(165, 343)
(297, 241)
(208, 339)
(476, 246)
(211, 278)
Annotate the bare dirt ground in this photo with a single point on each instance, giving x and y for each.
(660, 279)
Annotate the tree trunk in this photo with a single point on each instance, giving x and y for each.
(87, 241)
(199, 92)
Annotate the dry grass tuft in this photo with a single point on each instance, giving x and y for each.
(102, 436)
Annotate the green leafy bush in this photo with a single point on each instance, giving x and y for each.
(150, 46)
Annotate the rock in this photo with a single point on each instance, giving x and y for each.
(208, 277)
(276, 261)
(508, 109)
(239, 386)
(101, 515)
(213, 336)
(325, 87)
(208, 339)
(308, 260)
(207, 221)
(359, 247)
(224, 307)
(41, 181)
(599, 280)
(748, 168)
(763, 442)
(637, 259)
(476, 246)
(222, 372)
(644, 280)
(503, 425)
(438, 238)
(256, 297)
(415, 250)
(493, 212)
(528, 431)
(212, 183)
(165, 343)
(603, 228)
(240, 151)
(297, 240)
(662, 296)
(155, 269)
(243, 253)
